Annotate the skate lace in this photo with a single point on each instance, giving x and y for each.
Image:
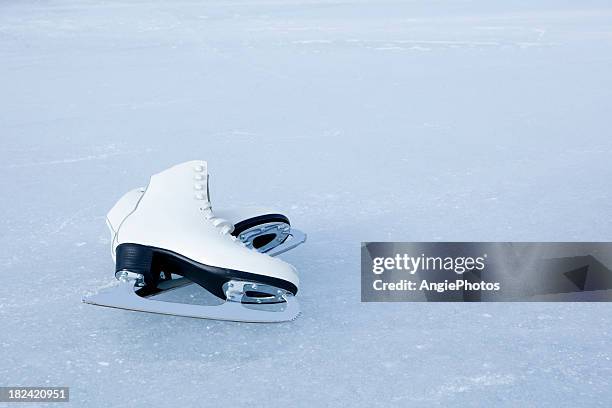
(225, 227)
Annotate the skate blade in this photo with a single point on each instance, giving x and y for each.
(295, 238)
(124, 297)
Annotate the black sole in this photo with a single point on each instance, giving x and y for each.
(151, 262)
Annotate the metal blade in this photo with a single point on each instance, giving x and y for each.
(296, 237)
(124, 297)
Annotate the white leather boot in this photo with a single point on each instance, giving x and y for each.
(173, 230)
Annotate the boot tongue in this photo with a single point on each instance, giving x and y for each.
(208, 187)
(224, 225)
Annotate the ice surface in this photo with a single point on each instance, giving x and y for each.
(363, 120)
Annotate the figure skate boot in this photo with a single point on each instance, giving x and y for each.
(173, 230)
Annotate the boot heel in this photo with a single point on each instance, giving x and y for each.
(134, 258)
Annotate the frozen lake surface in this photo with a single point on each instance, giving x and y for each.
(363, 121)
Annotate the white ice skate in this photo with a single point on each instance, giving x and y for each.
(172, 230)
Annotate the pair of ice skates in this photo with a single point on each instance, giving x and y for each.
(166, 236)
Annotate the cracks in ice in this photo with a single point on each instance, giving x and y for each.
(425, 45)
(70, 219)
(104, 152)
(102, 156)
(465, 384)
(526, 40)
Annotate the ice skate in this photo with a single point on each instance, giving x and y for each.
(170, 229)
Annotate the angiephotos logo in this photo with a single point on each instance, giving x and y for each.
(485, 271)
